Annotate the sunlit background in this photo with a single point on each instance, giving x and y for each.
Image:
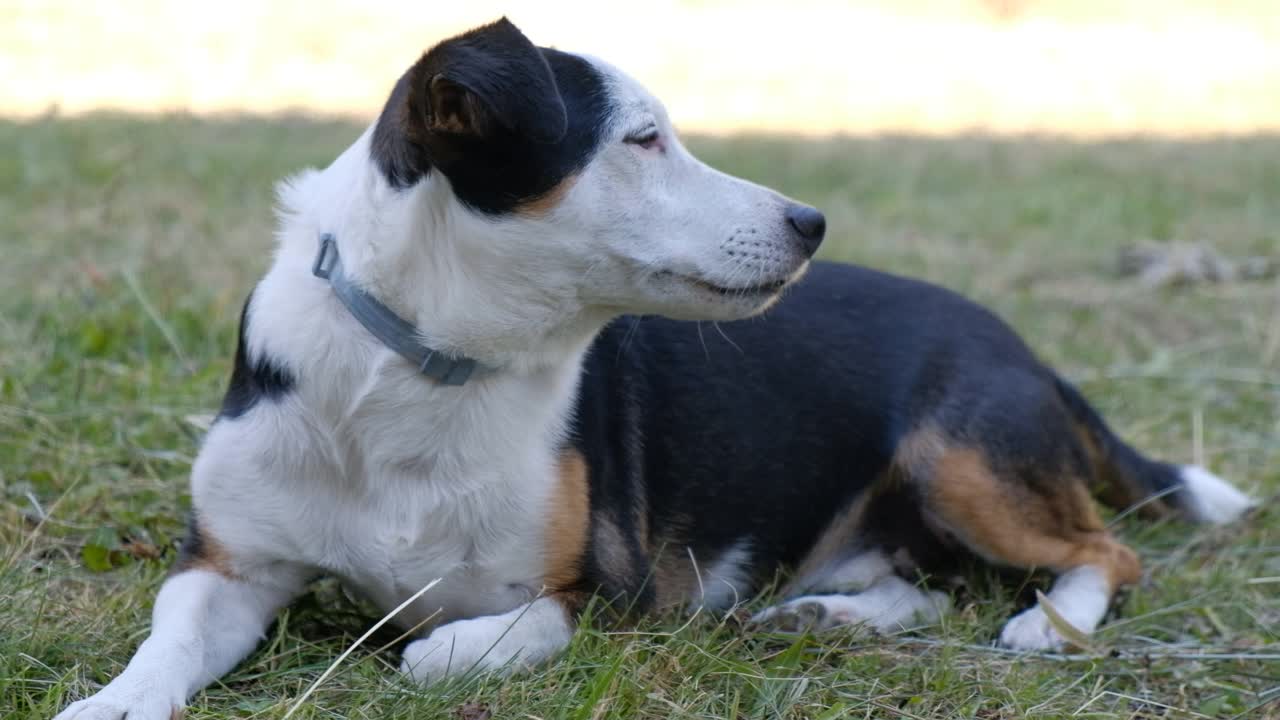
(1080, 67)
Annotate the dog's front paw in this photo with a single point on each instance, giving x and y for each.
(461, 647)
(118, 706)
(511, 642)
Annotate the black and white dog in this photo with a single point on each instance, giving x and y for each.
(433, 381)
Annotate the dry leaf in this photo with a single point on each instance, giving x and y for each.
(1073, 635)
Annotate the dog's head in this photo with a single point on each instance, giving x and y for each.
(568, 171)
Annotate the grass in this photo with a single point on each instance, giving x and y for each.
(128, 245)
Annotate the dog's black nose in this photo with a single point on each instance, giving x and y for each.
(810, 224)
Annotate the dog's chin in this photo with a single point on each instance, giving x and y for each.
(686, 297)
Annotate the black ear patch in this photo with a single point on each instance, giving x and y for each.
(452, 108)
(488, 79)
(504, 120)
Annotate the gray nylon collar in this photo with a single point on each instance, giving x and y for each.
(388, 327)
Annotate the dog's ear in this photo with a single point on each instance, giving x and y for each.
(484, 83)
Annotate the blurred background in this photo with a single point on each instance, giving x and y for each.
(1104, 174)
(1082, 67)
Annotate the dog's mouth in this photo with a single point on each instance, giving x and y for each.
(758, 290)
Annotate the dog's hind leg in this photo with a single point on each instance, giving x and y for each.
(847, 579)
(206, 619)
(888, 604)
(1024, 502)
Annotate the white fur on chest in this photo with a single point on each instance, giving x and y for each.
(398, 490)
(366, 469)
(456, 490)
(370, 472)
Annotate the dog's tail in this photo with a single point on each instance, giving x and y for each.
(1128, 479)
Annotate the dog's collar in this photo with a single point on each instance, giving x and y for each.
(389, 327)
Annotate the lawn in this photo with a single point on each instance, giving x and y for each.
(128, 245)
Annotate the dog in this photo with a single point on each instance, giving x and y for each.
(474, 360)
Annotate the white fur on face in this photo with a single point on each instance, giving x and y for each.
(655, 226)
(639, 231)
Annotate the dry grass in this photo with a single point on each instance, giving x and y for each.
(105, 217)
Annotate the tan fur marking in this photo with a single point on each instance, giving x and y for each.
(210, 554)
(572, 603)
(1008, 524)
(217, 559)
(549, 200)
(567, 523)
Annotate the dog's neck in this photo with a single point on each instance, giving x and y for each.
(419, 252)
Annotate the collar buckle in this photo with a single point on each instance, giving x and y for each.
(328, 252)
(389, 328)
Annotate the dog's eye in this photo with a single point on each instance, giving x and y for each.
(647, 138)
